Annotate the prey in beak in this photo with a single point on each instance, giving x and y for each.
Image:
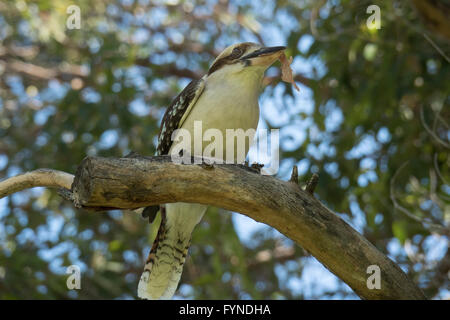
(264, 56)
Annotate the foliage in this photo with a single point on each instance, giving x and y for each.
(372, 119)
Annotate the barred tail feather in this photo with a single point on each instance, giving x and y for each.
(164, 265)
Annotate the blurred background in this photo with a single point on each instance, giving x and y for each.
(372, 118)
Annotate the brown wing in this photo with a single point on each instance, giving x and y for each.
(176, 113)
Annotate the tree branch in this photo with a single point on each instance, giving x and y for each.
(128, 183)
(37, 178)
(66, 72)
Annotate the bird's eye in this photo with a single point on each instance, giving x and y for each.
(236, 53)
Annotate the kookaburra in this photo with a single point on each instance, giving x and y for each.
(225, 98)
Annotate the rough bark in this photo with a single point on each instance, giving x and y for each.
(128, 183)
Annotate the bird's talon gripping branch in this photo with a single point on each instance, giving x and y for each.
(207, 165)
(299, 216)
(257, 167)
(237, 72)
(133, 154)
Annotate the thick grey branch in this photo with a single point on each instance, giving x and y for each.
(133, 182)
(128, 183)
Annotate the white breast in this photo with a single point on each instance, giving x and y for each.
(230, 103)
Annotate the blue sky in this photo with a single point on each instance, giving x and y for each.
(279, 112)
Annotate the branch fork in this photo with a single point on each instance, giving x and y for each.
(136, 182)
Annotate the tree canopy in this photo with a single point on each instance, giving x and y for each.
(371, 118)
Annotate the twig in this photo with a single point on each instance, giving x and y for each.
(436, 168)
(312, 183)
(37, 178)
(294, 175)
(432, 226)
(257, 167)
(129, 183)
(433, 134)
(442, 53)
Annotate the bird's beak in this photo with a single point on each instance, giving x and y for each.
(264, 56)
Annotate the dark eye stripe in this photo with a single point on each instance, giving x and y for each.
(235, 54)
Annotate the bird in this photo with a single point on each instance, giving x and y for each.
(226, 97)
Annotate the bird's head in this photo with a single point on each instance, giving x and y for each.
(245, 57)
